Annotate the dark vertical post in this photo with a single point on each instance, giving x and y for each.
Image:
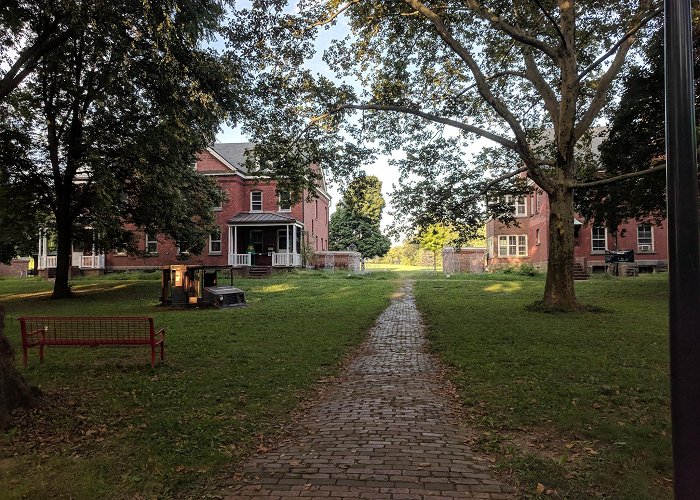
(684, 249)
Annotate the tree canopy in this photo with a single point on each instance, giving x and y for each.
(105, 129)
(356, 220)
(531, 77)
(636, 142)
(436, 237)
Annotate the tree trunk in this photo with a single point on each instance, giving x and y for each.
(559, 288)
(64, 228)
(15, 392)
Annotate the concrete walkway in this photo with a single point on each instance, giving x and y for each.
(386, 430)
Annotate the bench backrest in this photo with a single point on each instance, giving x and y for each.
(90, 328)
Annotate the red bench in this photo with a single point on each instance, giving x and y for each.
(90, 331)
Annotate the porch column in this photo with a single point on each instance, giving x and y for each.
(294, 239)
(235, 244)
(39, 263)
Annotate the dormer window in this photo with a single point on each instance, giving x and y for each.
(256, 204)
(285, 202)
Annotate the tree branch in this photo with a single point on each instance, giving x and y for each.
(332, 16)
(631, 32)
(30, 57)
(512, 31)
(551, 20)
(610, 180)
(428, 116)
(498, 106)
(533, 74)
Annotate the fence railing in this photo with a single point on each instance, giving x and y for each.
(239, 259)
(286, 259)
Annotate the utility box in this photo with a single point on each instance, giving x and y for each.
(224, 296)
(184, 286)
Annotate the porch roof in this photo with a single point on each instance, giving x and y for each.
(261, 218)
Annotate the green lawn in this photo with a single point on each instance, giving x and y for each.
(112, 427)
(576, 402)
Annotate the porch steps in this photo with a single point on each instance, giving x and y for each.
(258, 271)
(579, 272)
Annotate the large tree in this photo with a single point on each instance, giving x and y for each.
(636, 142)
(115, 116)
(356, 220)
(532, 77)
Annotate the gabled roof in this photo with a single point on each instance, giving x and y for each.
(233, 153)
(261, 218)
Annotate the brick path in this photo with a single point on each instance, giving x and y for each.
(386, 430)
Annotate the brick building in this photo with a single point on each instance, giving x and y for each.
(256, 225)
(528, 241)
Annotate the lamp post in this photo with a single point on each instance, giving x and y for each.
(684, 248)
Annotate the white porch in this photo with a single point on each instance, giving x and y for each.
(266, 239)
(83, 259)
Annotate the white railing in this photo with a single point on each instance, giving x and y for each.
(286, 259)
(47, 262)
(92, 261)
(238, 259)
(76, 260)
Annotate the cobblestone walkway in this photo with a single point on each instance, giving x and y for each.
(386, 430)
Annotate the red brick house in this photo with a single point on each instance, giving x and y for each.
(257, 227)
(528, 241)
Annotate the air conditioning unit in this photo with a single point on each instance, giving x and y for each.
(645, 248)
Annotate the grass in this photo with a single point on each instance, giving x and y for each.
(576, 402)
(112, 427)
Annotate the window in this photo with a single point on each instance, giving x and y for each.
(120, 249)
(519, 205)
(537, 201)
(256, 204)
(645, 240)
(285, 202)
(215, 242)
(151, 245)
(512, 245)
(537, 236)
(282, 240)
(316, 212)
(489, 250)
(599, 239)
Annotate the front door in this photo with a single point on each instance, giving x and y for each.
(255, 245)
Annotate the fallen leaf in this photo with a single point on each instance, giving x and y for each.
(540, 488)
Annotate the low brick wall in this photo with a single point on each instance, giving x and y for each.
(464, 260)
(16, 268)
(337, 260)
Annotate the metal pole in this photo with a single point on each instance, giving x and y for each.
(684, 249)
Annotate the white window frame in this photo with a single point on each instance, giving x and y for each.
(212, 240)
(537, 236)
(512, 245)
(490, 252)
(650, 238)
(279, 202)
(149, 242)
(280, 233)
(519, 205)
(120, 250)
(252, 209)
(605, 232)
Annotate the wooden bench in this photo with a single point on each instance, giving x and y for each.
(90, 331)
